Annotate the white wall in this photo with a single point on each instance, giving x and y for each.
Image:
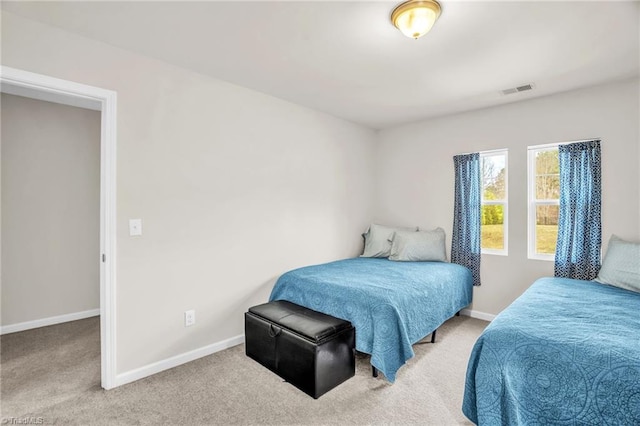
(415, 171)
(50, 210)
(234, 187)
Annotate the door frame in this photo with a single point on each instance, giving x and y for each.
(37, 86)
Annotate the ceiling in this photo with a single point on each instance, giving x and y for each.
(347, 59)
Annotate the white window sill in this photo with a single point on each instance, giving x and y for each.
(545, 257)
(494, 252)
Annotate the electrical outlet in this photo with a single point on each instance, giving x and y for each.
(189, 318)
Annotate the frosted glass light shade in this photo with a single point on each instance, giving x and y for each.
(415, 18)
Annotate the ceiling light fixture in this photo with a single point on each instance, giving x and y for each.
(415, 18)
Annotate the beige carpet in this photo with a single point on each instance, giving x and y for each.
(53, 373)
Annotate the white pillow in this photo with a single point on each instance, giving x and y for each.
(419, 246)
(377, 240)
(621, 265)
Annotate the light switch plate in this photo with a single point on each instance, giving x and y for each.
(135, 227)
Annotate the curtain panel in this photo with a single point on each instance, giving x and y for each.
(465, 238)
(579, 221)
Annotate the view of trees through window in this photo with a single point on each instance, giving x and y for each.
(547, 194)
(544, 181)
(494, 197)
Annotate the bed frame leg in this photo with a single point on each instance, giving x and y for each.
(374, 371)
(433, 336)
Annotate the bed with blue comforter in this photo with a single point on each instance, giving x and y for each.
(391, 304)
(567, 352)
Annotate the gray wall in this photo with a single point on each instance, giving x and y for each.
(50, 209)
(234, 187)
(415, 171)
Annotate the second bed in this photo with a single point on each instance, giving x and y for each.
(392, 305)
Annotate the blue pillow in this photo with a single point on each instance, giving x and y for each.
(621, 265)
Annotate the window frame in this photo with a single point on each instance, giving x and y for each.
(504, 202)
(533, 202)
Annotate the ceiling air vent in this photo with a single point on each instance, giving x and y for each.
(522, 88)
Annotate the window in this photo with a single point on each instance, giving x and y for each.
(544, 201)
(493, 230)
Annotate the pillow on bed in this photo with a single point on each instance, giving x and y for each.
(419, 246)
(377, 240)
(621, 265)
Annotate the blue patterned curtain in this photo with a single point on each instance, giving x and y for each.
(579, 227)
(465, 239)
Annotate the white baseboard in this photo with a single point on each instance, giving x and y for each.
(477, 314)
(174, 361)
(28, 325)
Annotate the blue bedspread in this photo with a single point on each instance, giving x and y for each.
(565, 352)
(391, 304)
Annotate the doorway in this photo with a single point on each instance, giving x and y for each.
(30, 85)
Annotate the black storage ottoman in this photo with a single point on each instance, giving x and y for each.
(313, 351)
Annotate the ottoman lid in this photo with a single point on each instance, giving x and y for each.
(311, 324)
